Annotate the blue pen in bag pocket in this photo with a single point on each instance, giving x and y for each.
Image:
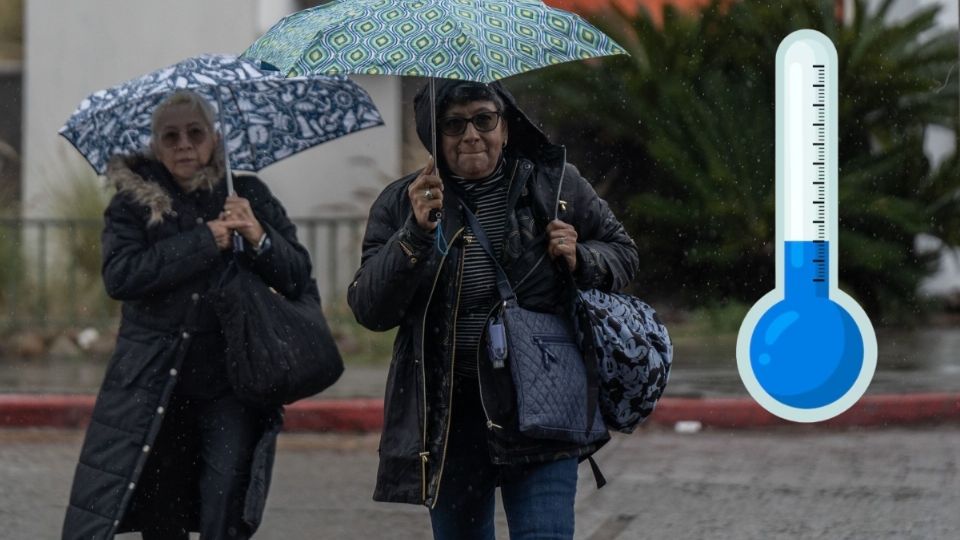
(496, 342)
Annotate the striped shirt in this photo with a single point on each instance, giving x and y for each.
(478, 291)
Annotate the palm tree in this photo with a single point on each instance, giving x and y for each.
(680, 137)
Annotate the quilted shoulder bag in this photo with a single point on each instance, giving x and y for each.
(550, 378)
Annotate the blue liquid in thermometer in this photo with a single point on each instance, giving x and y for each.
(806, 350)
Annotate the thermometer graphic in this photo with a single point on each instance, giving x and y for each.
(806, 350)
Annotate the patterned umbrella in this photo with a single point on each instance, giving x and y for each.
(477, 40)
(264, 117)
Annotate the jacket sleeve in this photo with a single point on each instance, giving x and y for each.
(607, 258)
(398, 256)
(286, 265)
(133, 267)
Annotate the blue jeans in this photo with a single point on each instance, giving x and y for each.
(537, 498)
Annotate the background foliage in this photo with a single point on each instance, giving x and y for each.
(11, 29)
(680, 139)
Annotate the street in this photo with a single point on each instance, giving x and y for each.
(795, 482)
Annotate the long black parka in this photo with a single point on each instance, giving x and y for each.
(160, 259)
(405, 281)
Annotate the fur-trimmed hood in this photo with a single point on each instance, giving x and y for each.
(140, 177)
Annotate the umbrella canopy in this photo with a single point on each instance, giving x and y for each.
(477, 40)
(264, 117)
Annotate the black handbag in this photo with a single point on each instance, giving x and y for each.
(551, 381)
(279, 350)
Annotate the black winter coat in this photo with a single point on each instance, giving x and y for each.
(160, 259)
(404, 281)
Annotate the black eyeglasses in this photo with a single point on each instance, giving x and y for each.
(456, 125)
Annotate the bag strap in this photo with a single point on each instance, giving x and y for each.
(503, 284)
(597, 475)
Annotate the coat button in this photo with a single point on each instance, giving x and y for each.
(131, 486)
(116, 523)
(199, 221)
(195, 296)
(159, 410)
(146, 448)
(413, 260)
(173, 372)
(186, 335)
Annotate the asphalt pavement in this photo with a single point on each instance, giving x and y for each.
(795, 482)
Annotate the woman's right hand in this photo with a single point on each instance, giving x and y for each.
(222, 229)
(426, 194)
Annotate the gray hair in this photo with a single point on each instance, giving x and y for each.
(195, 101)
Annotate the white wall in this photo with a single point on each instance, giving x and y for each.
(78, 46)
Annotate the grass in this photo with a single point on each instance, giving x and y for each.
(358, 345)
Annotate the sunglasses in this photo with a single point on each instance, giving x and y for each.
(196, 135)
(456, 125)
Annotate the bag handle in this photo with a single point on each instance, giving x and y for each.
(591, 362)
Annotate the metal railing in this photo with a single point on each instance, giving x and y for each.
(50, 268)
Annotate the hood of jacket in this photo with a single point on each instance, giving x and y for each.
(526, 139)
(140, 177)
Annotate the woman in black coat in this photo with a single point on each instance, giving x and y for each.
(170, 449)
(450, 431)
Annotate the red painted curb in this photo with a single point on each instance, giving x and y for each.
(366, 415)
(878, 410)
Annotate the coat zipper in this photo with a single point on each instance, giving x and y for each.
(555, 204)
(425, 453)
(490, 424)
(453, 359)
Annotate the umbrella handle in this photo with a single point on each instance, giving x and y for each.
(237, 239)
(434, 214)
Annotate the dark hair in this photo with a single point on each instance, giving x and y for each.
(467, 92)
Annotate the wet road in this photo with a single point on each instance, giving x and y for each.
(796, 482)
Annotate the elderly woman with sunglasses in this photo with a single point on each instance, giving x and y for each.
(450, 429)
(170, 449)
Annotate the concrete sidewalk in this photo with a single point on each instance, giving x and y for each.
(766, 484)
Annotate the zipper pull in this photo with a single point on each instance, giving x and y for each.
(424, 457)
(491, 425)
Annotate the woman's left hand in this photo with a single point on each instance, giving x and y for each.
(238, 209)
(562, 241)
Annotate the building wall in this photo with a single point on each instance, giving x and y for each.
(74, 48)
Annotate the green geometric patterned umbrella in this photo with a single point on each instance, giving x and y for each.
(477, 40)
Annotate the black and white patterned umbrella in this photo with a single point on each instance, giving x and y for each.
(263, 116)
